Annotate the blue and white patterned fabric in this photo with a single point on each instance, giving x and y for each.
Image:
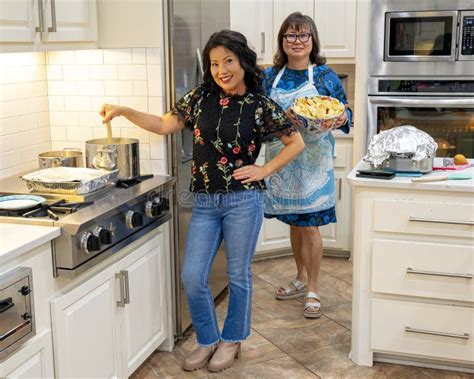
(306, 184)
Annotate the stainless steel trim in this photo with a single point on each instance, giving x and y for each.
(435, 273)
(464, 336)
(121, 302)
(127, 286)
(451, 102)
(40, 28)
(433, 221)
(199, 64)
(420, 58)
(53, 27)
(373, 87)
(262, 43)
(11, 332)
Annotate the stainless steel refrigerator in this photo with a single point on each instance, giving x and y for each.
(189, 25)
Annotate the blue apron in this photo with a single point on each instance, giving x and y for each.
(306, 184)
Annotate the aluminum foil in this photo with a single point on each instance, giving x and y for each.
(68, 180)
(401, 142)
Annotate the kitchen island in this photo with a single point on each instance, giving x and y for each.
(413, 257)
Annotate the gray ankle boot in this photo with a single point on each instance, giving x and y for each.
(198, 358)
(224, 356)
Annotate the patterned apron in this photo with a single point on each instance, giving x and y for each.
(306, 184)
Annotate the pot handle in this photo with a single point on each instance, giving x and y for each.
(102, 160)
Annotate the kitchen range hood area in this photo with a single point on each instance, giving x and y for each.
(90, 282)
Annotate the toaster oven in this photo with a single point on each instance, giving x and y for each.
(17, 322)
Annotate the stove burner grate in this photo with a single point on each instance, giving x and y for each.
(48, 210)
(127, 183)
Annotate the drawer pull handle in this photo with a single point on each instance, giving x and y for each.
(434, 273)
(464, 336)
(418, 219)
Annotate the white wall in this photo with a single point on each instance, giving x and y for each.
(51, 101)
(24, 116)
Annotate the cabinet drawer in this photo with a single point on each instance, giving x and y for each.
(439, 331)
(416, 217)
(340, 159)
(423, 269)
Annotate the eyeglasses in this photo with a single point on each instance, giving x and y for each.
(291, 38)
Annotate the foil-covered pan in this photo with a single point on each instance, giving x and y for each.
(68, 180)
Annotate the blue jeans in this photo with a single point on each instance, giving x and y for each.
(235, 217)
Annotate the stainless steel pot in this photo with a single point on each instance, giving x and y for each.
(122, 155)
(64, 158)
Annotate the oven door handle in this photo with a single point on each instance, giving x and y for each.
(428, 102)
(6, 304)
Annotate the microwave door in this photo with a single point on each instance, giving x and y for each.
(421, 112)
(420, 36)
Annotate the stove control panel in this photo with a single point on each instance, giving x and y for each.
(156, 206)
(133, 219)
(104, 235)
(89, 243)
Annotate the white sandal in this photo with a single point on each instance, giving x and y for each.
(312, 309)
(294, 290)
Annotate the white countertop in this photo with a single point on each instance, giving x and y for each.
(17, 239)
(406, 183)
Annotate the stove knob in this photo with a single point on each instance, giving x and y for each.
(24, 290)
(89, 243)
(133, 219)
(153, 208)
(105, 236)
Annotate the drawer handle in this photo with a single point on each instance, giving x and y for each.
(434, 273)
(464, 336)
(418, 219)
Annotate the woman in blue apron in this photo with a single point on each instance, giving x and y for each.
(302, 194)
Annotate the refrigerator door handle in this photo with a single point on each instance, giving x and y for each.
(200, 68)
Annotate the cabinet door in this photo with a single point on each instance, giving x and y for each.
(75, 20)
(142, 319)
(18, 20)
(336, 23)
(84, 330)
(283, 8)
(34, 360)
(254, 19)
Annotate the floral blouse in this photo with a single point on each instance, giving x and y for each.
(228, 133)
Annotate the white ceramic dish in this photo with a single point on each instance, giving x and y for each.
(18, 202)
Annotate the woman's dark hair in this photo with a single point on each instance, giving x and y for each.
(298, 22)
(237, 43)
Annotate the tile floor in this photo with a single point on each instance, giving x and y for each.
(283, 343)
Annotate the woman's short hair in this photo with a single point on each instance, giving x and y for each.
(237, 43)
(298, 22)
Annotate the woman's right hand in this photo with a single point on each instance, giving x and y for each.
(109, 111)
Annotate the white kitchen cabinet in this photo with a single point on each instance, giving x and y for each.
(254, 19)
(336, 23)
(274, 237)
(33, 360)
(413, 270)
(283, 8)
(107, 326)
(40, 25)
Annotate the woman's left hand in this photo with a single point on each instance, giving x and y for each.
(342, 119)
(250, 173)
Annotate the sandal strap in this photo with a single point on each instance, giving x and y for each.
(295, 284)
(312, 305)
(312, 295)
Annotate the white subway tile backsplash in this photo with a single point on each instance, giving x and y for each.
(23, 90)
(97, 102)
(145, 166)
(54, 72)
(132, 72)
(144, 151)
(11, 158)
(140, 88)
(89, 57)
(22, 59)
(56, 103)
(155, 105)
(58, 133)
(139, 56)
(79, 134)
(43, 119)
(61, 88)
(90, 119)
(22, 74)
(155, 84)
(104, 72)
(13, 108)
(61, 57)
(37, 104)
(153, 55)
(118, 88)
(157, 146)
(117, 56)
(76, 72)
(142, 135)
(90, 88)
(136, 102)
(77, 103)
(40, 135)
(158, 167)
(63, 118)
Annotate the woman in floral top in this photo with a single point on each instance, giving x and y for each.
(230, 118)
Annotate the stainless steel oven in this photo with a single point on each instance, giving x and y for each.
(443, 108)
(422, 38)
(17, 322)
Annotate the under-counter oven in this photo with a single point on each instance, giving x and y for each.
(16, 310)
(422, 38)
(442, 108)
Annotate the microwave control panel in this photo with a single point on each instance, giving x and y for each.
(467, 34)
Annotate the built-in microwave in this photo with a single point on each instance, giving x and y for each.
(422, 38)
